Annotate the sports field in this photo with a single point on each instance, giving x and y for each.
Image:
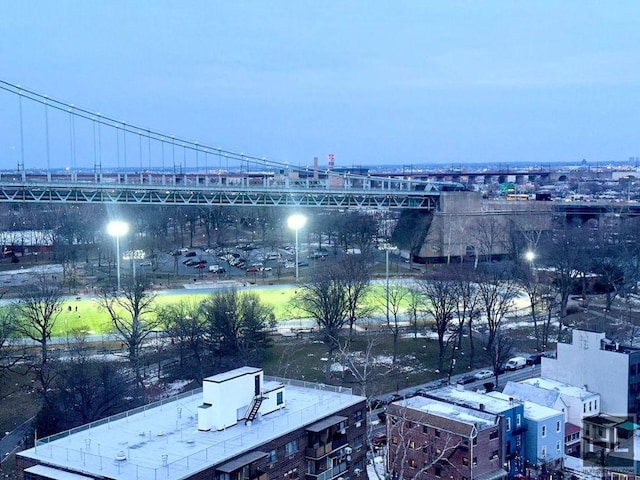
(85, 314)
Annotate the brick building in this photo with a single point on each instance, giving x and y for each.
(240, 426)
(434, 439)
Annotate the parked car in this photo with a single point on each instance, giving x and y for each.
(200, 265)
(146, 263)
(252, 270)
(515, 363)
(534, 359)
(190, 262)
(466, 379)
(217, 269)
(482, 374)
(379, 439)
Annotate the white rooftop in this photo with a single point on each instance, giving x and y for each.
(448, 410)
(532, 411)
(473, 399)
(163, 441)
(563, 388)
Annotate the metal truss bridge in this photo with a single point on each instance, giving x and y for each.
(112, 161)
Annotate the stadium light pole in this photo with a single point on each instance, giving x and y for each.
(117, 229)
(296, 222)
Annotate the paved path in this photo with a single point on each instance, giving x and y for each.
(12, 442)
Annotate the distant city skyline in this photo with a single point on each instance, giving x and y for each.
(373, 83)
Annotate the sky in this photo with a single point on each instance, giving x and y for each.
(372, 82)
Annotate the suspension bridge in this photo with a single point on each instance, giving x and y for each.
(66, 154)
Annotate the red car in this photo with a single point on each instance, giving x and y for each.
(200, 265)
(252, 270)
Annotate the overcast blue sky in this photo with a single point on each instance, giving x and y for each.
(402, 82)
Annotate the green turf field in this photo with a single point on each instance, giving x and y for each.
(84, 314)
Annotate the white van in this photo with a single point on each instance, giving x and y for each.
(515, 363)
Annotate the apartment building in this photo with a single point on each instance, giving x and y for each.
(599, 365)
(512, 413)
(434, 439)
(241, 425)
(544, 431)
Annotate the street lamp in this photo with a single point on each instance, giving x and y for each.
(296, 222)
(530, 256)
(117, 229)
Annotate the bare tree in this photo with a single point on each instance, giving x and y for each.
(325, 300)
(357, 275)
(37, 310)
(236, 325)
(467, 307)
(133, 317)
(186, 325)
(415, 305)
(89, 388)
(565, 254)
(409, 456)
(500, 352)
(441, 303)
(489, 234)
(497, 290)
(10, 353)
(393, 305)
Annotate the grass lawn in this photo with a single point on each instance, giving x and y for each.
(86, 315)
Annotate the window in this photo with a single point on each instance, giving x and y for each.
(475, 461)
(425, 429)
(584, 408)
(518, 420)
(437, 433)
(412, 463)
(291, 447)
(412, 444)
(632, 370)
(358, 441)
(494, 454)
(279, 398)
(595, 404)
(357, 417)
(543, 452)
(508, 424)
(438, 471)
(465, 461)
(475, 441)
(558, 427)
(493, 435)
(558, 446)
(273, 456)
(394, 440)
(590, 406)
(544, 431)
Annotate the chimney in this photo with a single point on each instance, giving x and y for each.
(315, 168)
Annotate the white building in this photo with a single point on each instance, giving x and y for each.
(597, 364)
(239, 426)
(575, 402)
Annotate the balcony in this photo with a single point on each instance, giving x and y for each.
(318, 452)
(328, 474)
(518, 430)
(322, 450)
